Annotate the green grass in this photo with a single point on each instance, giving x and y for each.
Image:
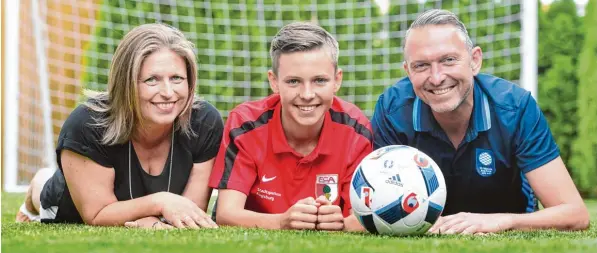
(36, 237)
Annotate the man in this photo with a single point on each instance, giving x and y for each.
(286, 161)
(488, 136)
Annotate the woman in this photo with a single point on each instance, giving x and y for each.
(142, 150)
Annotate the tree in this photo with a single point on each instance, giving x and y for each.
(558, 59)
(584, 148)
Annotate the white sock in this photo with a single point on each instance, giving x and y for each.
(31, 216)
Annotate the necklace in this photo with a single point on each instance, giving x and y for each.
(169, 170)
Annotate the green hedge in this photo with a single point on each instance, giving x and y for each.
(558, 60)
(568, 87)
(584, 148)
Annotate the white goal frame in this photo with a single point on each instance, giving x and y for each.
(10, 99)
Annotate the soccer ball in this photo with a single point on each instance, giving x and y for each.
(397, 190)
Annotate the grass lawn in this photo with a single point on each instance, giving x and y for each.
(36, 237)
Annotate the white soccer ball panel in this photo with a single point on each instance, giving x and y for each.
(413, 180)
(358, 203)
(418, 215)
(438, 171)
(399, 228)
(381, 226)
(439, 197)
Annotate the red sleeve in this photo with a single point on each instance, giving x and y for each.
(234, 168)
(362, 147)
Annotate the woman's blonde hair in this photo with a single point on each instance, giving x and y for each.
(120, 103)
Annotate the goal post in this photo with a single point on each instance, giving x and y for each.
(529, 48)
(10, 97)
(44, 45)
(56, 48)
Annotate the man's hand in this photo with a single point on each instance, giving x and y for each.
(329, 217)
(302, 215)
(472, 223)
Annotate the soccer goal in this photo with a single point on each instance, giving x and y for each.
(56, 48)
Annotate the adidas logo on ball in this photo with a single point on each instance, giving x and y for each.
(395, 180)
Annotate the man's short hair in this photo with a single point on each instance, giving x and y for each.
(440, 17)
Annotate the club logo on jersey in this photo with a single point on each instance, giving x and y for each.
(410, 203)
(421, 161)
(327, 185)
(367, 195)
(485, 162)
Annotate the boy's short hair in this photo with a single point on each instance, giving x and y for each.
(301, 37)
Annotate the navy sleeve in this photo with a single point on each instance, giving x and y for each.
(208, 126)
(383, 132)
(79, 134)
(535, 145)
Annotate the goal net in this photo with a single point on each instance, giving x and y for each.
(63, 46)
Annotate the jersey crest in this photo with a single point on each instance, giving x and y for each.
(327, 185)
(485, 162)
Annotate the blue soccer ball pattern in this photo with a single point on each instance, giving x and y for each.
(397, 190)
